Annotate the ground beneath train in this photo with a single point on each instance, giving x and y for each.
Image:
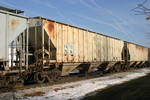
(107, 85)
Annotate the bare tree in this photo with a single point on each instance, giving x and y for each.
(143, 9)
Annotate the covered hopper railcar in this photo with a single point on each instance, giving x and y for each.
(42, 49)
(137, 55)
(64, 48)
(70, 48)
(13, 46)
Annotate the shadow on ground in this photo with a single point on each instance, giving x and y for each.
(138, 89)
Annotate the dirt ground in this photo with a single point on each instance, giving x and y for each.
(138, 89)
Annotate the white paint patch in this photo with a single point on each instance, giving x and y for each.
(77, 90)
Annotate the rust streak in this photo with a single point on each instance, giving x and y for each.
(14, 24)
(49, 27)
(139, 48)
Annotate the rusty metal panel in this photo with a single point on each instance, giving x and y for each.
(112, 43)
(102, 48)
(70, 44)
(94, 48)
(65, 43)
(81, 34)
(113, 50)
(132, 54)
(105, 48)
(118, 50)
(89, 47)
(51, 30)
(49, 27)
(117, 45)
(97, 48)
(85, 46)
(60, 44)
(99, 43)
(76, 46)
(121, 49)
(16, 26)
(109, 49)
(147, 53)
(137, 53)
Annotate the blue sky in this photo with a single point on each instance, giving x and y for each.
(109, 17)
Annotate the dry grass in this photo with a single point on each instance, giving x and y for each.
(35, 94)
(62, 88)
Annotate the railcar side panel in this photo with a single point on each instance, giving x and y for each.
(81, 34)
(90, 47)
(60, 43)
(65, 43)
(137, 53)
(102, 49)
(98, 45)
(76, 47)
(109, 49)
(11, 27)
(85, 46)
(94, 48)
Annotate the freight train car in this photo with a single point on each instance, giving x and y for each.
(64, 48)
(12, 28)
(49, 49)
(138, 55)
(70, 48)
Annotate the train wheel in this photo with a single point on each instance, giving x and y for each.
(56, 76)
(117, 67)
(53, 75)
(3, 81)
(10, 82)
(38, 77)
(50, 76)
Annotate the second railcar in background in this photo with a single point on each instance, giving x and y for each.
(137, 55)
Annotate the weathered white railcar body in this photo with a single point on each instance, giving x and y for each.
(138, 54)
(73, 45)
(11, 26)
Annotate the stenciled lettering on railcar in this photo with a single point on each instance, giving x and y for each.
(71, 49)
(65, 49)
